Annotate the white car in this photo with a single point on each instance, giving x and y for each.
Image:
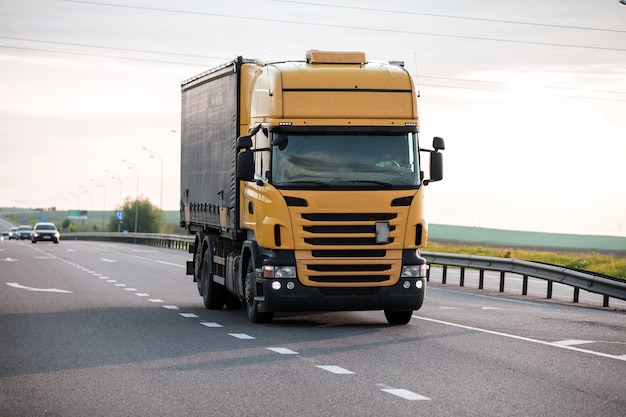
(45, 232)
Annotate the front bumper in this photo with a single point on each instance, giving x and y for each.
(45, 237)
(407, 294)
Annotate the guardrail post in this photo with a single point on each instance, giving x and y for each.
(481, 279)
(549, 294)
(444, 276)
(525, 285)
(605, 301)
(462, 278)
(576, 294)
(501, 281)
(428, 273)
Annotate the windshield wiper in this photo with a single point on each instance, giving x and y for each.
(381, 183)
(320, 184)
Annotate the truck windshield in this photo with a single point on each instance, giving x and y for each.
(351, 160)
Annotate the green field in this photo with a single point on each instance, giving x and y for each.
(601, 254)
(528, 240)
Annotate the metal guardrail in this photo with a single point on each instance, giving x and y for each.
(149, 239)
(606, 286)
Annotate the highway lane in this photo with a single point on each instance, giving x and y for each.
(114, 329)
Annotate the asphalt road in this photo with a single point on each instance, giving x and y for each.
(102, 329)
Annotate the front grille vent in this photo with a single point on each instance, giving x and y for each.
(348, 217)
(360, 234)
(356, 253)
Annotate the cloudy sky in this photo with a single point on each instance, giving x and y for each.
(529, 95)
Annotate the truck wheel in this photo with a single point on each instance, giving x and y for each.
(213, 294)
(197, 274)
(252, 306)
(398, 317)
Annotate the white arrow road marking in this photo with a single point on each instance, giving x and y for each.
(170, 264)
(16, 285)
(572, 342)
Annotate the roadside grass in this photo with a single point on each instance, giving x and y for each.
(611, 265)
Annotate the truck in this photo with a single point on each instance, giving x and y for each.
(303, 185)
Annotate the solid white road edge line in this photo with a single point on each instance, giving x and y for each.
(526, 339)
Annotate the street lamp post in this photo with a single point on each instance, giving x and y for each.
(133, 166)
(117, 177)
(104, 194)
(154, 154)
(88, 191)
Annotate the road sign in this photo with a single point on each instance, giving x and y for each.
(119, 215)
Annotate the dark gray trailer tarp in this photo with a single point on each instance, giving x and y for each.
(208, 138)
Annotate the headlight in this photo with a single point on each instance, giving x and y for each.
(414, 270)
(279, 271)
(284, 272)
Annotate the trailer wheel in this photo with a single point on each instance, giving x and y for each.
(252, 306)
(213, 295)
(398, 317)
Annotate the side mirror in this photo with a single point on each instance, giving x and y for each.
(245, 165)
(436, 166)
(244, 142)
(438, 144)
(436, 160)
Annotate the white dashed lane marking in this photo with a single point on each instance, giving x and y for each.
(210, 324)
(335, 369)
(242, 336)
(401, 393)
(406, 394)
(283, 351)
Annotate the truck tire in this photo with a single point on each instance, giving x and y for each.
(398, 317)
(252, 306)
(213, 295)
(197, 264)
